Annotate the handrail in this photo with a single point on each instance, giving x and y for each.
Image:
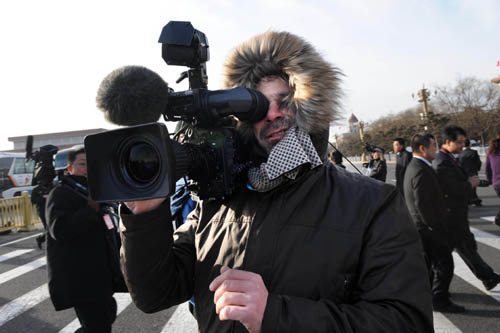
(18, 213)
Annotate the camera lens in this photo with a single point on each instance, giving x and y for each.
(143, 163)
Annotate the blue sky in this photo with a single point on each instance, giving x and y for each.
(55, 53)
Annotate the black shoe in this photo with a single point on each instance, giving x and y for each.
(39, 242)
(492, 283)
(449, 307)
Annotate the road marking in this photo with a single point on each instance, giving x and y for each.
(489, 218)
(443, 324)
(122, 300)
(18, 271)
(21, 239)
(466, 274)
(21, 304)
(182, 321)
(14, 254)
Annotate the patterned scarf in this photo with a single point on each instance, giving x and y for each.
(294, 150)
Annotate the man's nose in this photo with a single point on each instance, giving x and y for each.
(274, 112)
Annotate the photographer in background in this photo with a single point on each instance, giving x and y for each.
(80, 263)
(245, 257)
(43, 180)
(377, 165)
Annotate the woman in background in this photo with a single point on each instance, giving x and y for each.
(493, 169)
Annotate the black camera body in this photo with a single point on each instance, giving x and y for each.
(142, 161)
(44, 172)
(371, 148)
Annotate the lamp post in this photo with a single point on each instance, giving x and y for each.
(361, 125)
(424, 96)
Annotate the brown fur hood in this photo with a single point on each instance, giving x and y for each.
(314, 82)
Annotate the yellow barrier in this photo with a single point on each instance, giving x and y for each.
(18, 213)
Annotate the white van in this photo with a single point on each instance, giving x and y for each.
(15, 174)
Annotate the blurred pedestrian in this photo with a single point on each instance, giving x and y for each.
(456, 186)
(377, 165)
(492, 169)
(471, 163)
(336, 159)
(403, 158)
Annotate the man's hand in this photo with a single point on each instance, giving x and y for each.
(240, 295)
(139, 207)
(474, 181)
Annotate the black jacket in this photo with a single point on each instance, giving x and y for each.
(456, 188)
(78, 251)
(424, 197)
(403, 159)
(337, 252)
(470, 161)
(378, 169)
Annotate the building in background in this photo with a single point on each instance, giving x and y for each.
(60, 139)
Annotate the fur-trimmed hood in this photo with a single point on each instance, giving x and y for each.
(314, 82)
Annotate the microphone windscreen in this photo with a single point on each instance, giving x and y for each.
(132, 95)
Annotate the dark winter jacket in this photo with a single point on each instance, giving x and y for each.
(456, 189)
(403, 159)
(328, 265)
(470, 161)
(78, 250)
(378, 169)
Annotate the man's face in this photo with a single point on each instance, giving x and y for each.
(430, 153)
(397, 146)
(456, 146)
(79, 166)
(270, 130)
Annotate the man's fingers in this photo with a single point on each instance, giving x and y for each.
(231, 274)
(231, 299)
(233, 312)
(233, 286)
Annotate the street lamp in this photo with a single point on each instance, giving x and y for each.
(424, 96)
(361, 126)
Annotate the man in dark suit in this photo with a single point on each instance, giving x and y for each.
(403, 158)
(456, 185)
(471, 163)
(425, 201)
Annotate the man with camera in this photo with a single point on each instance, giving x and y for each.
(456, 186)
(81, 245)
(304, 246)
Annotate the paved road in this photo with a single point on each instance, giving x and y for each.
(25, 306)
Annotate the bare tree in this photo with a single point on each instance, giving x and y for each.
(471, 103)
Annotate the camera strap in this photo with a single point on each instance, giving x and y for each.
(294, 150)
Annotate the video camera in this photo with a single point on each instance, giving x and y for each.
(373, 148)
(142, 162)
(44, 172)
